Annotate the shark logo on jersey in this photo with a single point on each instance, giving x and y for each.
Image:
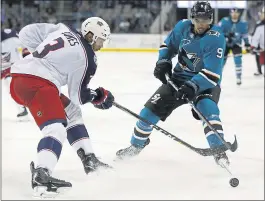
(191, 60)
(185, 42)
(194, 59)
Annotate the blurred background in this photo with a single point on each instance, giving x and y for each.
(136, 25)
(123, 16)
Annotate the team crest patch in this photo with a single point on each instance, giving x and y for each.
(39, 113)
(213, 33)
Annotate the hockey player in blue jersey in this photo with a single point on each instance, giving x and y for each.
(200, 47)
(235, 31)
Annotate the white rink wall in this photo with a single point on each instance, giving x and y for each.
(136, 42)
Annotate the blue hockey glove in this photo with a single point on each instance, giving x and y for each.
(162, 68)
(104, 99)
(230, 38)
(187, 91)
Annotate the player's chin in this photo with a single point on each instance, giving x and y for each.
(97, 49)
(201, 31)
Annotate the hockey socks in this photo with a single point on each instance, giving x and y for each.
(50, 146)
(142, 130)
(78, 137)
(212, 138)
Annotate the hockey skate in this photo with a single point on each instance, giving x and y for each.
(90, 161)
(130, 151)
(222, 160)
(238, 81)
(23, 114)
(258, 74)
(45, 186)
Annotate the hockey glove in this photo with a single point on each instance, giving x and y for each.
(5, 64)
(187, 91)
(104, 99)
(255, 51)
(248, 48)
(25, 52)
(162, 68)
(5, 73)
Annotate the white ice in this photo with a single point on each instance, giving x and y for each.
(165, 169)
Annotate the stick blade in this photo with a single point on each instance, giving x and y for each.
(234, 146)
(216, 150)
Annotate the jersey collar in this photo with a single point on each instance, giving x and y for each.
(199, 35)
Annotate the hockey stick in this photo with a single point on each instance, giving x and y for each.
(228, 145)
(203, 152)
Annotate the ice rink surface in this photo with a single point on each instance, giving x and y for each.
(165, 169)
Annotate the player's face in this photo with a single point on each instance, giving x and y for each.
(98, 44)
(201, 24)
(235, 15)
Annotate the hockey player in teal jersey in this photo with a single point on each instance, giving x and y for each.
(235, 30)
(200, 47)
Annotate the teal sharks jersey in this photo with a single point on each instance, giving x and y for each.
(235, 32)
(203, 54)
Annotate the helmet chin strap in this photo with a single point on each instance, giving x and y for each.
(94, 38)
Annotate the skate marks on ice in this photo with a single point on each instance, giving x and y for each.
(149, 177)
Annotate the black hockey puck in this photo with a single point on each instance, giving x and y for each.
(234, 182)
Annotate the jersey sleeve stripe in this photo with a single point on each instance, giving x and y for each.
(163, 46)
(84, 74)
(207, 78)
(210, 73)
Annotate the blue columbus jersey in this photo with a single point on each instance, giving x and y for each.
(234, 31)
(205, 54)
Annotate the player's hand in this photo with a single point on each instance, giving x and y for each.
(104, 99)
(231, 35)
(248, 48)
(5, 73)
(255, 51)
(25, 52)
(187, 91)
(162, 68)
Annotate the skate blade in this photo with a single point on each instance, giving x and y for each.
(223, 163)
(124, 158)
(117, 159)
(101, 169)
(23, 119)
(121, 158)
(41, 192)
